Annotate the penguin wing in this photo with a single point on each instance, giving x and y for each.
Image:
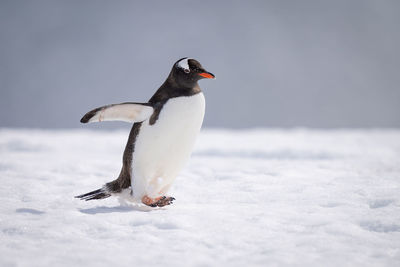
(129, 112)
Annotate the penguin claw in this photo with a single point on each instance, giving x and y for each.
(159, 202)
(164, 201)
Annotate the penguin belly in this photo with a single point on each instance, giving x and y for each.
(162, 149)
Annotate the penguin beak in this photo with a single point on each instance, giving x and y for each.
(207, 75)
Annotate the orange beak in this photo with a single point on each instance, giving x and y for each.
(207, 75)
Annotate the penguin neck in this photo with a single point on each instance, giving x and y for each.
(171, 88)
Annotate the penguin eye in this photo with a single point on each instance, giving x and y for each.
(186, 70)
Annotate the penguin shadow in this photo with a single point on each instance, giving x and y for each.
(116, 209)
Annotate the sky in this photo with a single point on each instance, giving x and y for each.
(319, 64)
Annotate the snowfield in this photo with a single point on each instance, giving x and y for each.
(247, 198)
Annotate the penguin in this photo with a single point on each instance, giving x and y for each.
(162, 136)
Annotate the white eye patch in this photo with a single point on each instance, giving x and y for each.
(184, 64)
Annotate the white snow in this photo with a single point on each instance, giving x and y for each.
(247, 198)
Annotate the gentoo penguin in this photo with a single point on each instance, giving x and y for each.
(162, 136)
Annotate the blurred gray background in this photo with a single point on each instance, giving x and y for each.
(278, 63)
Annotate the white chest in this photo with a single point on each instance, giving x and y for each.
(162, 149)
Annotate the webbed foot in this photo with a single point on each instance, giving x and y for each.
(157, 202)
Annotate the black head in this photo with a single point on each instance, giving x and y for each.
(187, 71)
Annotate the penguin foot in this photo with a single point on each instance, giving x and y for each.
(157, 202)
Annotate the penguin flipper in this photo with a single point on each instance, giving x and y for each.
(128, 112)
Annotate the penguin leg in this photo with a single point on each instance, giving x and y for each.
(157, 202)
(164, 190)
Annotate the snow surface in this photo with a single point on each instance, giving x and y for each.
(247, 198)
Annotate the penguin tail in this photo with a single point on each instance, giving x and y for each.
(96, 194)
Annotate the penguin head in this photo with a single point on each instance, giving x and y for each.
(187, 71)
